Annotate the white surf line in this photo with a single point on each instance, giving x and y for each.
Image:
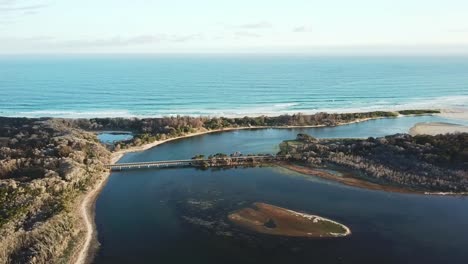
(447, 193)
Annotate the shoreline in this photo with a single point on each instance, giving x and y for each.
(460, 112)
(87, 204)
(348, 181)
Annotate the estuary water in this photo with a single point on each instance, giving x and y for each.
(180, 215)
(225, 85)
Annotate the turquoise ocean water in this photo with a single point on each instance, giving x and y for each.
(160, 85)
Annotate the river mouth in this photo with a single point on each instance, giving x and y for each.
(180, 215)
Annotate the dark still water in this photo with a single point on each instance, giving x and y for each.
(180, 215)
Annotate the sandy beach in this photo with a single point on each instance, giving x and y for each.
(458, 113)
(437, 128)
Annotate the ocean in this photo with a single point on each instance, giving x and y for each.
(225, 85)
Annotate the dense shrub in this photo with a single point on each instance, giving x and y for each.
(435, 163)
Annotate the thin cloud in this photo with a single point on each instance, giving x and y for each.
(119, 41)
(30, 12)
(302, 29)
(26, 39)
(39, 38)
(459, 30)
(245, 34)
(37, 41)
(21, 8)
(186, 38)
(7, 2)
(110, 42)
(13, 10)
(258, 25)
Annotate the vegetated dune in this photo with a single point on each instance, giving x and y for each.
(46, 165)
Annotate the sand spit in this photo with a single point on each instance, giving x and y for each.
(437, 128)
(273, 220)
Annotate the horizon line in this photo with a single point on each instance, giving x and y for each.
(250, 53)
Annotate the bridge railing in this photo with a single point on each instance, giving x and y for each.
(189, 162)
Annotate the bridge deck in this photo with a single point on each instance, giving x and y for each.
(186, 163)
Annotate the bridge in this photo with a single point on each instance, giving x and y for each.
(213, 162)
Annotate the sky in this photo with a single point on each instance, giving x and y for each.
(228, 26)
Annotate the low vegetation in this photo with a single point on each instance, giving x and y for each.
(430, 163)
(45, 166)
(418, 112)
(235, 159)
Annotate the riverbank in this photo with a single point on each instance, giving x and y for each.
(87, 212)
(345, 179)
(348, 180)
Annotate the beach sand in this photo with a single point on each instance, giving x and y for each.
(437, 128)
(458, 113)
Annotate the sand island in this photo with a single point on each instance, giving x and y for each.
(269, 219)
